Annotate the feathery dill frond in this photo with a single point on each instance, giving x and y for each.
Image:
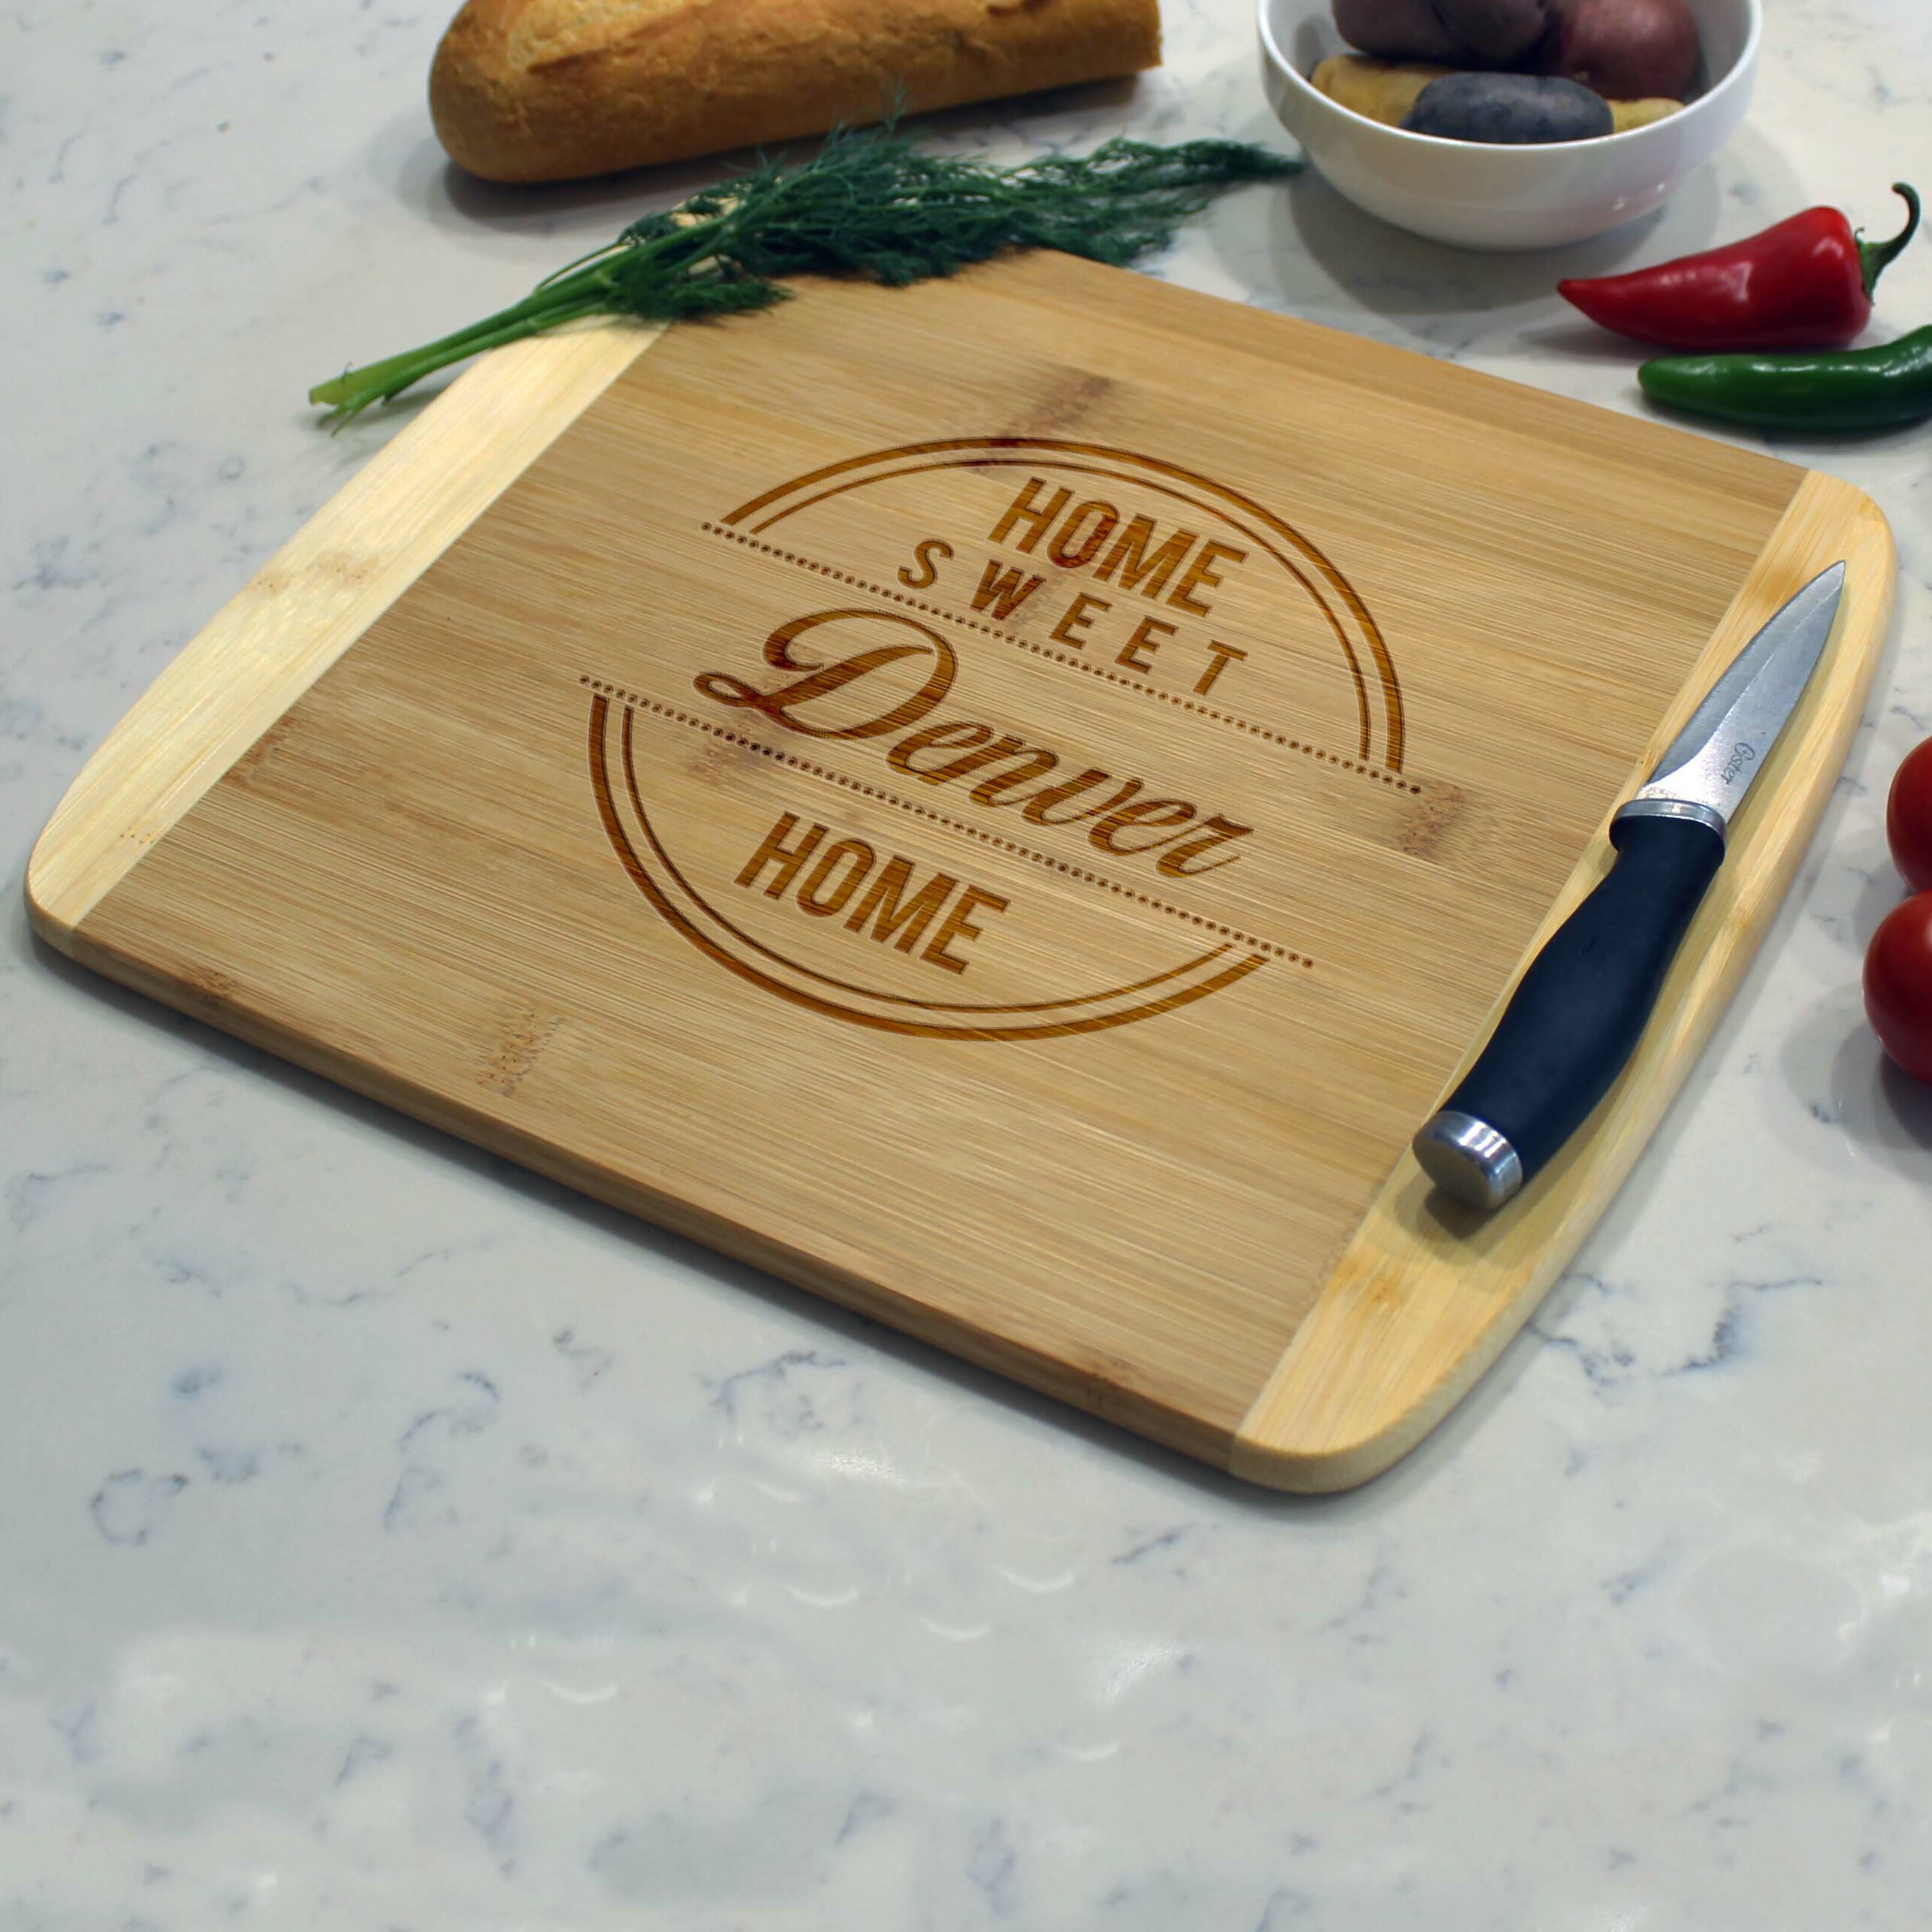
(869, 203)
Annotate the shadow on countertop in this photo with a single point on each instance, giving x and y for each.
(1832, 1063)
(1315, 253)
(1305, 250)
(1420, 1467)
(406, 159)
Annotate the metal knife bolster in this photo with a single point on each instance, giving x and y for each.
(1641, 807)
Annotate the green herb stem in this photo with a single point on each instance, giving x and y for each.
(573, 293)
(868, 204)
(353, 391)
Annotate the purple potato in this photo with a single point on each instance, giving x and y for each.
(1626, 50)
(1456, 33)
(1510, 110)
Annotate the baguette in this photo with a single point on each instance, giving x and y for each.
(551, 90)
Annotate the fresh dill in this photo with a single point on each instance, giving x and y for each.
(869, 203)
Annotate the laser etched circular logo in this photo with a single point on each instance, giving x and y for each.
(990, 739)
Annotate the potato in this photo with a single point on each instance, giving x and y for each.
(1514, 109)
(1385, 90)
(1631, 114)
(1625, 49)
(1394, 29)
(1382, 89)
(1468, 33)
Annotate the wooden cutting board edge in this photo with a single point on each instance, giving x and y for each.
(1424, 1298)
(1428, 1293)
(313, 599)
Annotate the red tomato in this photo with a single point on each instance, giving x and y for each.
(1908, 819)
(1898, 986)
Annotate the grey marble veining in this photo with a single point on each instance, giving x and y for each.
(388, 1539)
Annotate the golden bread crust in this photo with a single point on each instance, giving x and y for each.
(551, 90)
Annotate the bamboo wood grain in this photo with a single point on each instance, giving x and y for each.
(1428, 1293)
(463, 804)
(308, 604)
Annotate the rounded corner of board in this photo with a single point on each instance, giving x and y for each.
(1296, 1466)
(1352, 1394)
(48, 906)
(309, 603)
(1831, 520)
(78, 854)
(1849, 501)
(1833, 515)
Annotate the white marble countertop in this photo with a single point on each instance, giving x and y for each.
(388, 1539)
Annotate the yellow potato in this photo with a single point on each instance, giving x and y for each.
(1630, 114)
(1384, 90)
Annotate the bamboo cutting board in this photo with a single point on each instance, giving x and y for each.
(1004, 802)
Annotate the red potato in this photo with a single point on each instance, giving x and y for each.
(1625, 49)
(1454, 33)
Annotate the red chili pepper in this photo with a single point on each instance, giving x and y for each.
(1806, 284)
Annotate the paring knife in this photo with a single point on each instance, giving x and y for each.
(1580, 1010)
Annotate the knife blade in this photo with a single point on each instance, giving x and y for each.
(1580, 1008)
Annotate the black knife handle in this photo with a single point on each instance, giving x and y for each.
(1576, 1015)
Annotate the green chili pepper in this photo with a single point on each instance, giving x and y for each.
(1843, 389)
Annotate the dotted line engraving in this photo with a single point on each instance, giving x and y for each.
(1392, 780)
(632, 698)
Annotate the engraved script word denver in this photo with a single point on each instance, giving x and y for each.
(987, 759)
(1121, 819)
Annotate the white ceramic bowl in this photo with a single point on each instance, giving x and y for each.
(1474, 195)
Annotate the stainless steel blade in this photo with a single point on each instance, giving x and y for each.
(1711, 764)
